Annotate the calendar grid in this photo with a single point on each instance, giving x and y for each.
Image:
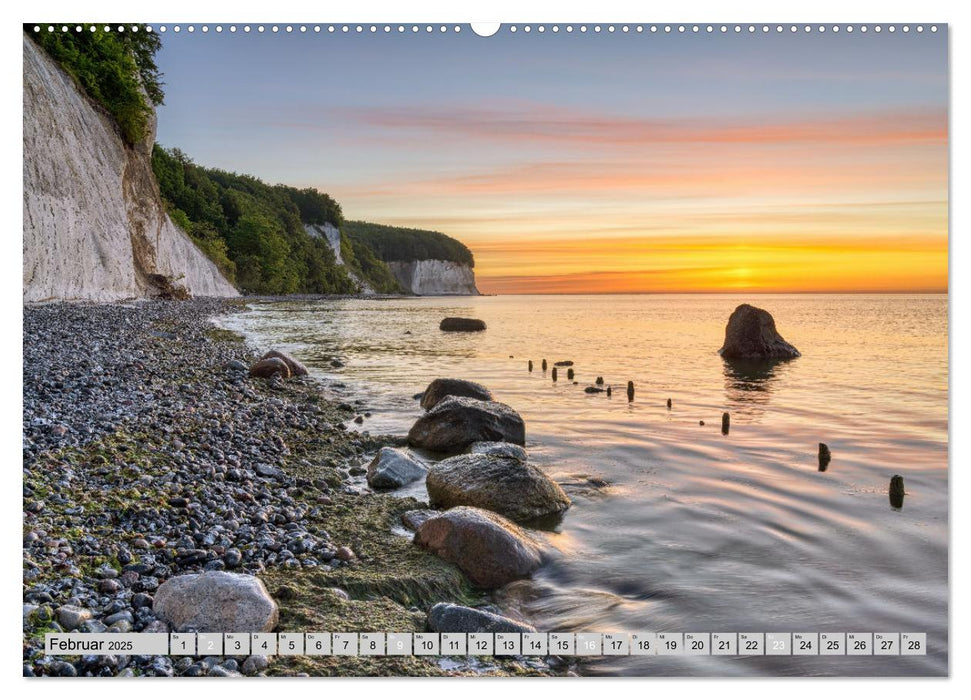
(580, 644)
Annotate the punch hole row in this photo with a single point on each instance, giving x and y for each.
(512, 29)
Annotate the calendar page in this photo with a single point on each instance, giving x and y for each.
(520, 349)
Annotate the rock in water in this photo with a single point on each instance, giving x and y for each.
(448, 617)
(490, 550)
(457, 421)
(593, 390)
(751, 335)
(461, 325)
(267, 368)
(393, 468)
(216, 601)
(297, 369)
(897, 491)
(440, 388)
(504, 485)
(504, 449)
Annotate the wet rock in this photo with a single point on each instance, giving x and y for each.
(502, 449)
(297, 369)
(489, 549)
(505, 485)
(462, 325)
(440, 388)
(216, 601)
(751, 335)
(448, 617)
(71, 616)
(236, 365)
(457, 422)
(271, 367)
(393, 468)
(413, 519)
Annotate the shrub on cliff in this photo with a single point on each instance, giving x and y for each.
(112, 67)
(393, 243)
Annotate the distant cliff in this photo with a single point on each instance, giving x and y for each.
(434, 277)
(423, 262)
(95, 227)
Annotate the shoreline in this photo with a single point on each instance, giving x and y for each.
(141, 444)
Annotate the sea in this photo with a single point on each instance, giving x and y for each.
(675, 526)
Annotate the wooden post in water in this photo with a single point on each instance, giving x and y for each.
(669, 403)
(897, 491)
(600, 380)
(530, 365)
(726, 423)
(630, 391)
(544, 365)
(609, 391)
(554, 374)
(824, 456)
(569, 373)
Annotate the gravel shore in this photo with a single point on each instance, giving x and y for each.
(149, 452)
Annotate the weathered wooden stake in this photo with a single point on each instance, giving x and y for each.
(544, 365)
(701, 422)
(609, 391)
(554, 374)
(600, 380)
(630, 391)
(569, 373)
(530, 365)
(897, 491)
(824, 456)
(726, 422)
(669, 403)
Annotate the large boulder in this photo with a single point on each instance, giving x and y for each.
(216, 601)
(393, 468)
(458, 421)
(449, 617)
(297, 369)
(440, 388)
(504, 449)
(461, 325)
(269, 367)
(751, 335)
(504, 485)
(490, 550)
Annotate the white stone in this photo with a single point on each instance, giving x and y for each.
(434, 277)
(94, 224)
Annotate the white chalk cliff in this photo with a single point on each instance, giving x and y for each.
(332, 235)
(434, 277)
(95, 227)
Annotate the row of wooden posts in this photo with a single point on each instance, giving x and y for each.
(824, 455)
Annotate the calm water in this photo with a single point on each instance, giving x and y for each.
(696, 531)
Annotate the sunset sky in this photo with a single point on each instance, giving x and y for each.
(575, 163)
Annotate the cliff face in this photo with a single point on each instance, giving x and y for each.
(94, 225)
(434, 277)
(332, 235)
